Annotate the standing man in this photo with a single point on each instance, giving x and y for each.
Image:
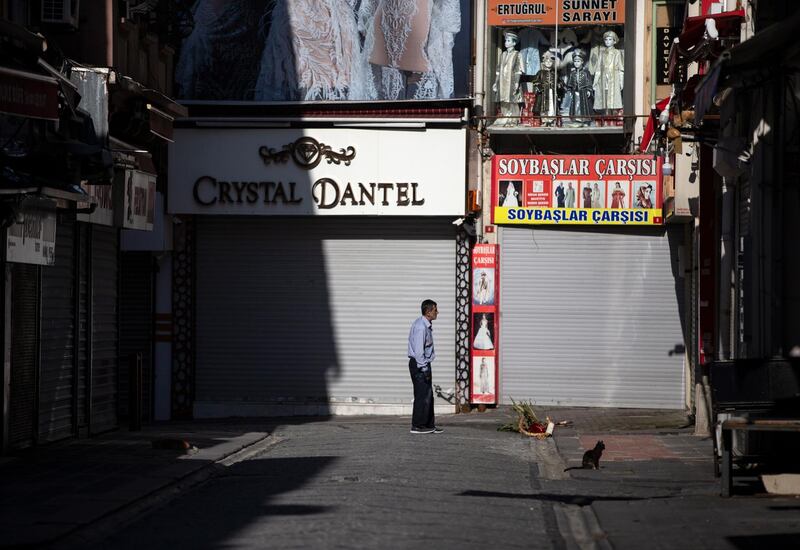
(420, 356)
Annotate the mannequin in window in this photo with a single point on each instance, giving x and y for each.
(546, 88)
(607, 64)
(579, 91)
(506, 83)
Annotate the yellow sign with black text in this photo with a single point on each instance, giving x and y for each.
(577, 216)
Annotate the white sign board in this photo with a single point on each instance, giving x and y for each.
(322, 171)
(33, 241)
(139, 199)
(103, 213)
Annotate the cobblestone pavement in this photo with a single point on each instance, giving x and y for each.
(365, 483)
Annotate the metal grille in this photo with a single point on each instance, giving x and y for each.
(462, 318)
(320, 316)
(183, 308)
(105, 335)
(56, 381)
(136, 328)
(24, 336)
(591, 318)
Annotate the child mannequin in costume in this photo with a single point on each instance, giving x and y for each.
(506, 84)
(546, 88)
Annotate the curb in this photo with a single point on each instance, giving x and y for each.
(114, 520)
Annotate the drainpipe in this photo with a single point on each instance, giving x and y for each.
(109, 33)
(726, 282)
(480, 53)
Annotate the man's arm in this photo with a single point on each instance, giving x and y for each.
(417, 341)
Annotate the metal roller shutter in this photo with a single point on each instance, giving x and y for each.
(591, 317)
(84, 255)
(318, 310)
(56, 378)
(105, 246)
(24, 339)
(136, 326)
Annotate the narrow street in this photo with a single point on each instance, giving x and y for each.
(362, 483)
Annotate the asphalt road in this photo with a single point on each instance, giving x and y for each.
(361, 483)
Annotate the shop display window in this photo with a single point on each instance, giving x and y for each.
(559, 75)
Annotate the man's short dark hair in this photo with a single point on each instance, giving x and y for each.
(427, 305)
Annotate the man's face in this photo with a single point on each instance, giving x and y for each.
(548, 62)
(608, 40)
(510, 42)
(577, 61)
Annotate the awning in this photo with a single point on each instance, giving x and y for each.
(161, 111)
(27, 94)
(652, 123)
(772, 46)
(728, 26)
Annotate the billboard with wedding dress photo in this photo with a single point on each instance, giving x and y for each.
(325, 50)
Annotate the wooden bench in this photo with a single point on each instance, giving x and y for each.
(752, 425)
(760, 395)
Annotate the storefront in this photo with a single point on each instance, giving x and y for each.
(313, 249)
(591, 282)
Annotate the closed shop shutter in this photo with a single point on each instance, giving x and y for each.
(57, 370)
(136, 326)
(24, 340)
(318, 310)
(105, 246)
(83, 243)
(591, 317)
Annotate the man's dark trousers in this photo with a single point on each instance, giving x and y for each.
(422, 416)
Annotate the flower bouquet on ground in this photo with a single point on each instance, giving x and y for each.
(527, 422)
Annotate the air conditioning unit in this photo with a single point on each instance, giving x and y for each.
(60, 12)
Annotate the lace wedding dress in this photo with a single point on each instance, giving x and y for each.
(219, 59)
(410, 36)
(312, 53)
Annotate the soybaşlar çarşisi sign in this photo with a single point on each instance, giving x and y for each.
(577, 189)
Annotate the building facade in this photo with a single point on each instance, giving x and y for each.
(83, 126)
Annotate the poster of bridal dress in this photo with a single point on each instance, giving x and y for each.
(325, 50)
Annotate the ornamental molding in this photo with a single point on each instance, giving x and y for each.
(307, 153)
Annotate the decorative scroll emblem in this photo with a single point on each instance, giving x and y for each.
(307, 153)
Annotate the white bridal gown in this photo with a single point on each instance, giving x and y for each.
(483, 339)
(312, 53)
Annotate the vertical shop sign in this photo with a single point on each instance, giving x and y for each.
(103, 213)
(138, 200)
(664, 38)
(484, 323)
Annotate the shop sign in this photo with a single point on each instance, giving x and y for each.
(138, 190)
(664, 39)
(331, 172)
(103, 213)
(577, 190)
(484, 322)
(32, 238)
(28, 94)
(517, 13)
